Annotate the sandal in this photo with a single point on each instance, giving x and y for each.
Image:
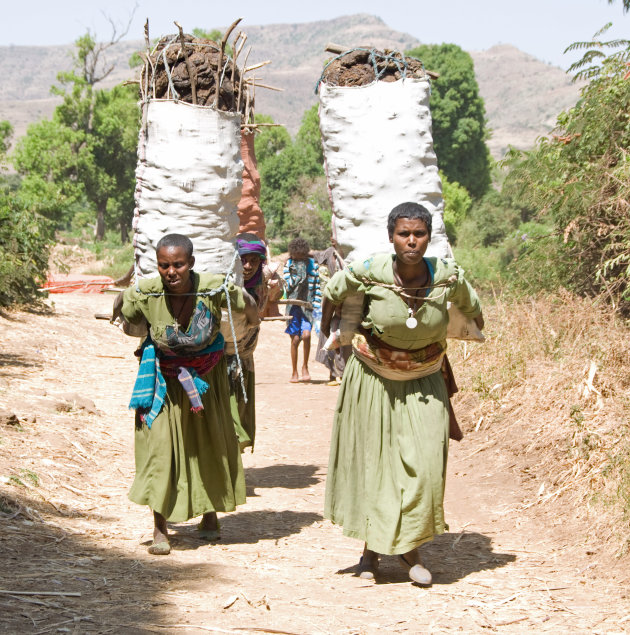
(417, 573)
(367, 570)
(160, 548)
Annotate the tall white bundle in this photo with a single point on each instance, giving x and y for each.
(379, 152)
(188, 181)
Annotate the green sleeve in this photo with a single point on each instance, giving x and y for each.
(464, 297)
(237, 301)
(134, 306)
(341, 285)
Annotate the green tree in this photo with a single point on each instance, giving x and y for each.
(457, 203)
(594, 61)
(309, 139)
(87, 153)
(271, 139)
(51, 159)
(579, 180)
(308, 214)
(6, 132)
(25, 239)
(459, 117)
(284, 164)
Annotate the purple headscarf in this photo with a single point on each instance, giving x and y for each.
(252, 246)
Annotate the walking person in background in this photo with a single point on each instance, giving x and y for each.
(334, 359)
(257, 280)
(188, 461)
(301, 275)
(389, 446)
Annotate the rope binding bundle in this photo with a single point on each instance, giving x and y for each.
(361, 66)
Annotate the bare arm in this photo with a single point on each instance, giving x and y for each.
(251, 309)
(328, 310)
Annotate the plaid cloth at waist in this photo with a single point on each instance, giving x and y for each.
(397, 364)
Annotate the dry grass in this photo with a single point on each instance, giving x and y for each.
(551, 386)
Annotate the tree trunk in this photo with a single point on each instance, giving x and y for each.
(124, 232)
(100, 219)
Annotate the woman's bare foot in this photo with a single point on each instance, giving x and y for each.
(209, 522)
(160, 545)
(305, 374)
(294, 378)
(209, 527)
(368, 564)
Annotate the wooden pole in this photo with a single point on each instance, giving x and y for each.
(192, 74)
(217, 79)
(240, 82)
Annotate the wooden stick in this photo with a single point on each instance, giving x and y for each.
(192, 74)
(254, 83)
(255, 66)
(241, 45)
(260, 125)
(335, 48)
(302, 303)
(147, 42)
(217, 79)
(240, 81)
(247, 96)
(236, 52)
(70, 594)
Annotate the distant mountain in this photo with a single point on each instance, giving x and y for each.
(523, 95)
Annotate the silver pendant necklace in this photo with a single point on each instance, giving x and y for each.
(411, 321)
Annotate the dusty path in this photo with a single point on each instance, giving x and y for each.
(66, 526)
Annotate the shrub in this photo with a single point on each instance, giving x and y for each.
(24, 247)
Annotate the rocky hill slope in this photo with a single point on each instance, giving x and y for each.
(523, 95)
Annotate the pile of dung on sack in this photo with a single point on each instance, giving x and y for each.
(168, 74)
(362, 66)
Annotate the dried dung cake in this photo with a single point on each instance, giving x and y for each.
(203, 57)
(363, 66)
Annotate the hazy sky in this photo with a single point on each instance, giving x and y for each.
(543, 28)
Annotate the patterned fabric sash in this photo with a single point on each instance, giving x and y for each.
(397, 364)
(149, 390)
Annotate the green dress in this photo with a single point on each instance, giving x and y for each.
(187, 464)
(389, 445)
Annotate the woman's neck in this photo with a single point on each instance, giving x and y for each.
(410, 275)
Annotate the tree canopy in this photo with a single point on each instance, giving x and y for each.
(282, 164)
(459, 116)
(85, 155)
(578, 179)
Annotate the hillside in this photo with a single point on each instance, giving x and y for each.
(518, 111)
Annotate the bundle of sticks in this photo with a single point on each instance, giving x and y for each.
(362, 66)
(198, 71)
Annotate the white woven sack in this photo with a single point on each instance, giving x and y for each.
(188, 181)
(379, 152)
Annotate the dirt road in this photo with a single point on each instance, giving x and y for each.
(67, 528)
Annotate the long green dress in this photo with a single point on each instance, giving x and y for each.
(389, 445)
(187, 464)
